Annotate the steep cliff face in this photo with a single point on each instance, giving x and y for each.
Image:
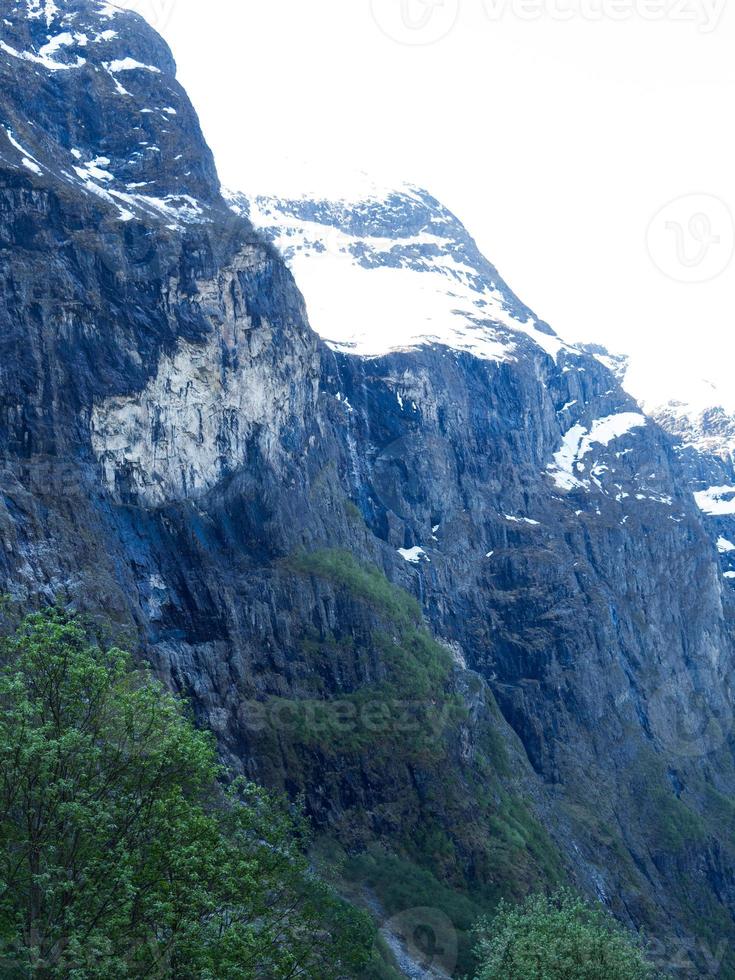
(704, 442)
(553, 537)
(183, 454)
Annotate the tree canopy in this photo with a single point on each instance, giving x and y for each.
(560, 937)
(122, 855)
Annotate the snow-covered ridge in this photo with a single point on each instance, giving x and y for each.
(386, 268)
(102, 59)
(703, 429)
(336, 186)
(59, 41)
(716, 501)
(709, 430)
(48, 10)
(128, 198)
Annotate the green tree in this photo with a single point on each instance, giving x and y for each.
(560, 937)
(121, 855)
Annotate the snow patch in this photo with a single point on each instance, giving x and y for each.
(59, 41)
(129, 64)
(94, 170)
(27, 159)
(579, 441)
(716, 501)
(413, 555)
(42, 8)
(38, 59)
(180, 208)
(120, 89)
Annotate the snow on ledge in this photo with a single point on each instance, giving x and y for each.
(724, 546)
(28, 160)
(413, 555)
(129, 64)
(38, 59)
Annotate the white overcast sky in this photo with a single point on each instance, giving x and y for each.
(556, 130)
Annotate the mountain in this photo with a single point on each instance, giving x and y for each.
(417, 561)
(393, 270)
(704, 441)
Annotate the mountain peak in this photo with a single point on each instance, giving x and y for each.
(91, 103)
(386, 267)
(300, 180)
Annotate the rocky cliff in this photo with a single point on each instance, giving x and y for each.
(429, 566)
(704, 442)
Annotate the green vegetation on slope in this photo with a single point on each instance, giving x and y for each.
(456, 835)
(407, 700)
